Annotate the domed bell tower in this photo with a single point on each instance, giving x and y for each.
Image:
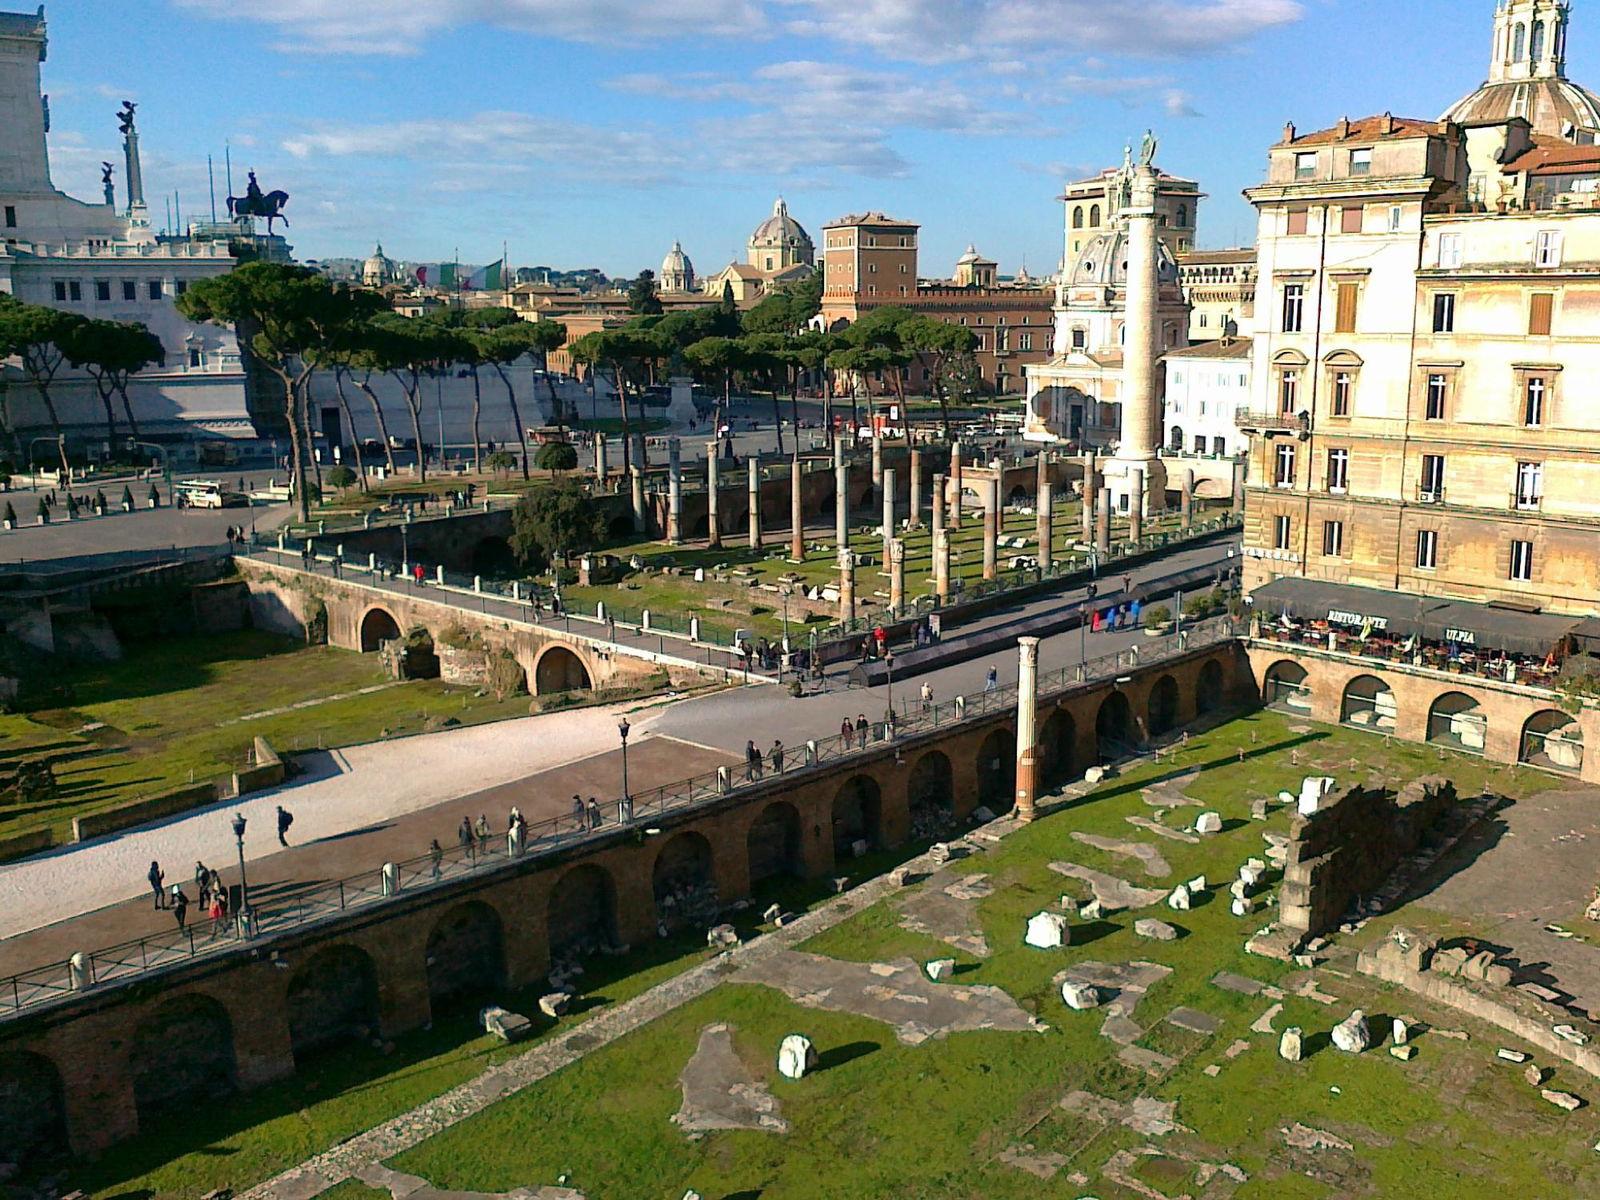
(1530, 40)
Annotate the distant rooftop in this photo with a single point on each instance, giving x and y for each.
(873, 217)
(22, 24)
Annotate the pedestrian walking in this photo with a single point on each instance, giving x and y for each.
(752, 761)
(578, 812)
(180, 906)
(155, 876)
(464, 836)
(846, 731)
(595, 819)
(218, 913)
(866, 648)
(436, 858)
(285, 819)
(1127, 584)
(880, 636)
(991, 681)
(202, 881)
(927, 697)
(775, 756)
(419, 574)
(862, 729)
(482, 830)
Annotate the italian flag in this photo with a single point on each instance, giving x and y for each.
(487, 279)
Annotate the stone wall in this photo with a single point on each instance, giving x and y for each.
(1350, 846)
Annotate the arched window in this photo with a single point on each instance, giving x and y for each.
(1183, 216)
(1094, 217)
(1536, 45)
(1077, 217)
(1519, 40)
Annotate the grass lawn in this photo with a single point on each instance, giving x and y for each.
(182, 710)
(882, 1119)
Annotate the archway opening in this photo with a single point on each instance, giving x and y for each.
(1287, 689)
(857, 818)
(181, 1052)
(1456, 720)
(997, 771)
(773, 844)
(1209, 688)
(492, 558)
(582, 914)
(466, 957)
(419, 659)
(683, 883)
(1163, 706)
(931, 795)
(1058, 750)
(378, 627)
(1114, 732)
(1552, 740)
(332, 998)
(620, 529)
(33, 1123)
(1368, 704)
(560, 670)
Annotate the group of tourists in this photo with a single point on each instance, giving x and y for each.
(212, 892)
(755, 765)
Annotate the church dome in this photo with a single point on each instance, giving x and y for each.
(1555, 108)
(677, 272)
(379, 269)
(780, 230)
(1105, 261)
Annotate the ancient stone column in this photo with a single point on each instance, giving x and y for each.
(675, 492)
(841, 496)
(1091, 490)
(1027, 726)
(1187, 500)
(847, 586)
(1046, 521)
(601, 468)
(897, 575)
(755, 501)
(914, 515)
(712, 487)
(941, 564)
(641, 454)
(636, 479)
(938, 502)
(888, 512)
(1238, 487)
(877, 458)
(991, 528)
(1141, 404)
(797, 516)
(953, 512)
(1102, 531)
(1135, 504)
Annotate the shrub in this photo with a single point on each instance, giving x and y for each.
(501, 461)
(155, 496)
(317, 624)
(506, 676)
(127, 497)
(1197, 608)
(556, 456)
(341, 478)
(1157, 615)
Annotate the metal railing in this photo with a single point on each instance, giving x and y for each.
(56, 982)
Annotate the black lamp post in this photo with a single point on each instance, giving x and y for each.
(244, 884)
(888, 661)
(623, 727)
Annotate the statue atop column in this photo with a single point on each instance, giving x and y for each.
(1147, 149)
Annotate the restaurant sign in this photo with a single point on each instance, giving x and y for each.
(1464, 637)
(1338, 616)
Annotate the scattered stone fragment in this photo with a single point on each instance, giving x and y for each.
(1145, 855)
(939, 853)
(947, 910)
(1563, 1100)
(1194, 1021)
(797, 1057)
(1092, 911)
(1291, 1046)
(1263, 1023)
(1400, 1031)
(1352, 1034)
(507, 1026)
(1455, 1035)
(1081, 996)
(1094, 775)
(722, 937)
(1235, 1050)
(859, 848)
(1243, 906)
(1569, 1034)
(1144, 1115)
(1069, 905)
(940, 968)
(1196, 885)
(1307, 989)
(1179, 901)
(1039, 1164)
(1535, 1075)
(1165, 831)
(720, 1093)
(1213, 1070)
(982, 815)
(1148, 1061)
(1303, 1137)
(772, 914)
(1240, 984)
(1112, 892)
(1154, 930)
(1260, 809)
(1047, 931)
(1208, 823)
(900, 877)
(1511, 1056)
(1403, 1053)
(555, 1004)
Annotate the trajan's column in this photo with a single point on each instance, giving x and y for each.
(1140, 443)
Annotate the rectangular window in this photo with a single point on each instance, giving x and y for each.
(155, 290)
(1305, 165)
(1338, 470)
(1541, 308)
(1361, 162)
(59, 289)
(1199, 443)
(197, 358)
(1449, 251)
(1438, 392)
(1530, 485)
(1333, 539)
(1289, 392)
(1345, 314)
(1431, 489)
(1298, 222)
(1280, 533)
(1284, 474)
(1427, 549)
(1343, 386)
(1533, 401)
(11, 216)
(1522, 561)
(1396, 216)
(1027, 342)
(75, 291)
(130, 290)
(1444, 312)
(180, 287)
(1350, 218)
(1080, 339)
(102, 290)
(1294, 307)
(1547, 248)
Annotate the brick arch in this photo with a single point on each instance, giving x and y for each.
(581, 912)
(1286, 686)
(1368, 702)
(931, 794)
(1116, 731)
(466, 955)
(1551, 739)
(997, 770)
(683, 880)
(377, 625)
(560, 668)
(857, 816)
(1457, 721)
(332, 998)
(183, 1050)
(774, 845)
(33, 1120)
(1058, 749)
(1164, 707)
(1210, 687)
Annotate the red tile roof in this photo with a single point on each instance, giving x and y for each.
(1369, 129)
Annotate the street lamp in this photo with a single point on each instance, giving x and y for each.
(623, 727)
(888, 661)
(244, 884)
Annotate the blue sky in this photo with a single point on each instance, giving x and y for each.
(594, 132)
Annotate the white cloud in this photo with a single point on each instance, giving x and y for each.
(397, 27)
(1177, 104)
